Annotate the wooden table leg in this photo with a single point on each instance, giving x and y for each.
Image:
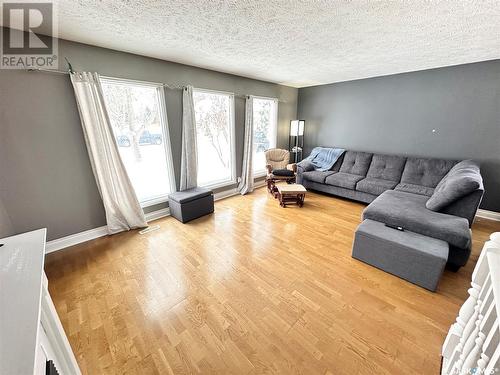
(270, 185)
(285, 199)
(280, 197)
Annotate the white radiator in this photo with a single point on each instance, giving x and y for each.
(472, 345)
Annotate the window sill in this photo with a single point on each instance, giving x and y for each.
(259, 174)
(219, 185)
(154, 201)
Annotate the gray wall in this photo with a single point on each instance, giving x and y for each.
(45, 175)
(397, 114)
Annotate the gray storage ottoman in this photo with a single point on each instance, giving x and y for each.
(411, 256)
(191, 204)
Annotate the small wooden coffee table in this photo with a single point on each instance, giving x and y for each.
(291, 194)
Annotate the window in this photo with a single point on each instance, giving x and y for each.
(138, 117)
(265, 120)
(215, 137)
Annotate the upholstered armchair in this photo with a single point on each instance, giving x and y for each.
(279, 160)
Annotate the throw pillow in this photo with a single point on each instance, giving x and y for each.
(462, 179)
(305, 165)
(283, 172)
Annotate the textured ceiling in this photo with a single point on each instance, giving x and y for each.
(293, 42)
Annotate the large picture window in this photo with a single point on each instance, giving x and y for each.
(265, 121)
(138, 117)
(214, 112)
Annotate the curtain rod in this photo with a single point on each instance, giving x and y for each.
(171, 87)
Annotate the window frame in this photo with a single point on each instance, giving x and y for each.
(232, 135)
(162, 108)
(263, 173)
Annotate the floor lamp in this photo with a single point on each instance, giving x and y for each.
(297, 138)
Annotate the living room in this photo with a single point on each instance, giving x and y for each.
(250, 187)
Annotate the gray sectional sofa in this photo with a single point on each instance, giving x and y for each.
(436, 198)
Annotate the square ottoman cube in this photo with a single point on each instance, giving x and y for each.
(191, 204)
(411, 256)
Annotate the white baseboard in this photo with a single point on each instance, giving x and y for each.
(485, 214)
(225, 194)
(75, 239)
(158, 214)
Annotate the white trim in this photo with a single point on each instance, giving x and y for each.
(92, 234)
(232, 192)
(232, 136)
(75, 239)
(274, 135)
(485, 214)
(131, 81)
(167, 145)
(58, 341)
(212, 91)
(266, 98)
(260, 183)
(163, 118)
(158, 214)
(218, 185)
(260, 174)
(155, 201)
(225, 194)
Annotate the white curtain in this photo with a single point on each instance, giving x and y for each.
(123, 211)
(246, 184)
(189, 159)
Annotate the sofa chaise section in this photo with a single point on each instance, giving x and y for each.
(407, 210)
(398, 208)
(398, 189)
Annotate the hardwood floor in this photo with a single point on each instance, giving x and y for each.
(253, 289)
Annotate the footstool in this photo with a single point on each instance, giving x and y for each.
(411, 256)
(291, 194)
(191, 204)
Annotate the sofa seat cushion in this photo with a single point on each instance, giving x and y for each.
(375, 186)
(344, 180)
(399, 208)
(317, 176)
(414, 189)
(386, 167)
(463, 179)
(425, 172)
(356, 163)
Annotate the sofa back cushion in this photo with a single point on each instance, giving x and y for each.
(386, 167)
(338, 163)
(425, 172)
(463, 179)
(356, 163)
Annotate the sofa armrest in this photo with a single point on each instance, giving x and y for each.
(305, 166)
(465, 207)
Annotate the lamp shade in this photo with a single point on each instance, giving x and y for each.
(297, 127)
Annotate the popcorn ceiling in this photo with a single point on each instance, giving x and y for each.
(296, 43)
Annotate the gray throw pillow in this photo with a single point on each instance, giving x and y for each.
(462, 179)
(305, 165)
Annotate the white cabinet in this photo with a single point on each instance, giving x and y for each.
(472, 345)
(30, 330)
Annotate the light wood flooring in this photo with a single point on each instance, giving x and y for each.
(253, 289)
